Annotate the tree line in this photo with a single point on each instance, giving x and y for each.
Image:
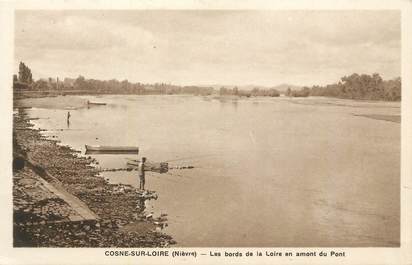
(126, 87)
(255, 92)
(81, 85)
(355, 86)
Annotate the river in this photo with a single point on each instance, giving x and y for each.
(268, 172)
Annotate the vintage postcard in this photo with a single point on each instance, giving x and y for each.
(206, 133)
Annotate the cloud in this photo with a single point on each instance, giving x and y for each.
(204, 47)
(73, 32)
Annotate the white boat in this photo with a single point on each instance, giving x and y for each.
(111, 149)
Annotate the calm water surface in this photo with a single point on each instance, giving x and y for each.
(268, 171)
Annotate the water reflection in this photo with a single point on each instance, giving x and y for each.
(224, 101)
(235, 103)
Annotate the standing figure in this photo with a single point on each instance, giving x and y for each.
(68, 119)
(141, 170)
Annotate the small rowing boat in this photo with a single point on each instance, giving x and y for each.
(96, 103)
(112, 149)
(159, 167)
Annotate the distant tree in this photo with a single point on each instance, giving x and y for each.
(358, 86)
(255, 91)
(22, 73)
(80, 83)
(222, 91)
(235, 91)
(41, 84)
(392, 89)
(124, 85)
(289, 92)
(272, 93)
(304, 92)
(25, 75)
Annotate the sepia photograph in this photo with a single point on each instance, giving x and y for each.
(206, 128)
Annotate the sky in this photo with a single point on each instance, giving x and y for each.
(209, 47)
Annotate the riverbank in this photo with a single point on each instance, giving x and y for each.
(43, 217)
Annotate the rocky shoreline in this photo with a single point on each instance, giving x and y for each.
(43, 220)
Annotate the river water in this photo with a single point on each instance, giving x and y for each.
(269, 172)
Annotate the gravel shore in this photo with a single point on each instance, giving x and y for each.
(43, 220)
